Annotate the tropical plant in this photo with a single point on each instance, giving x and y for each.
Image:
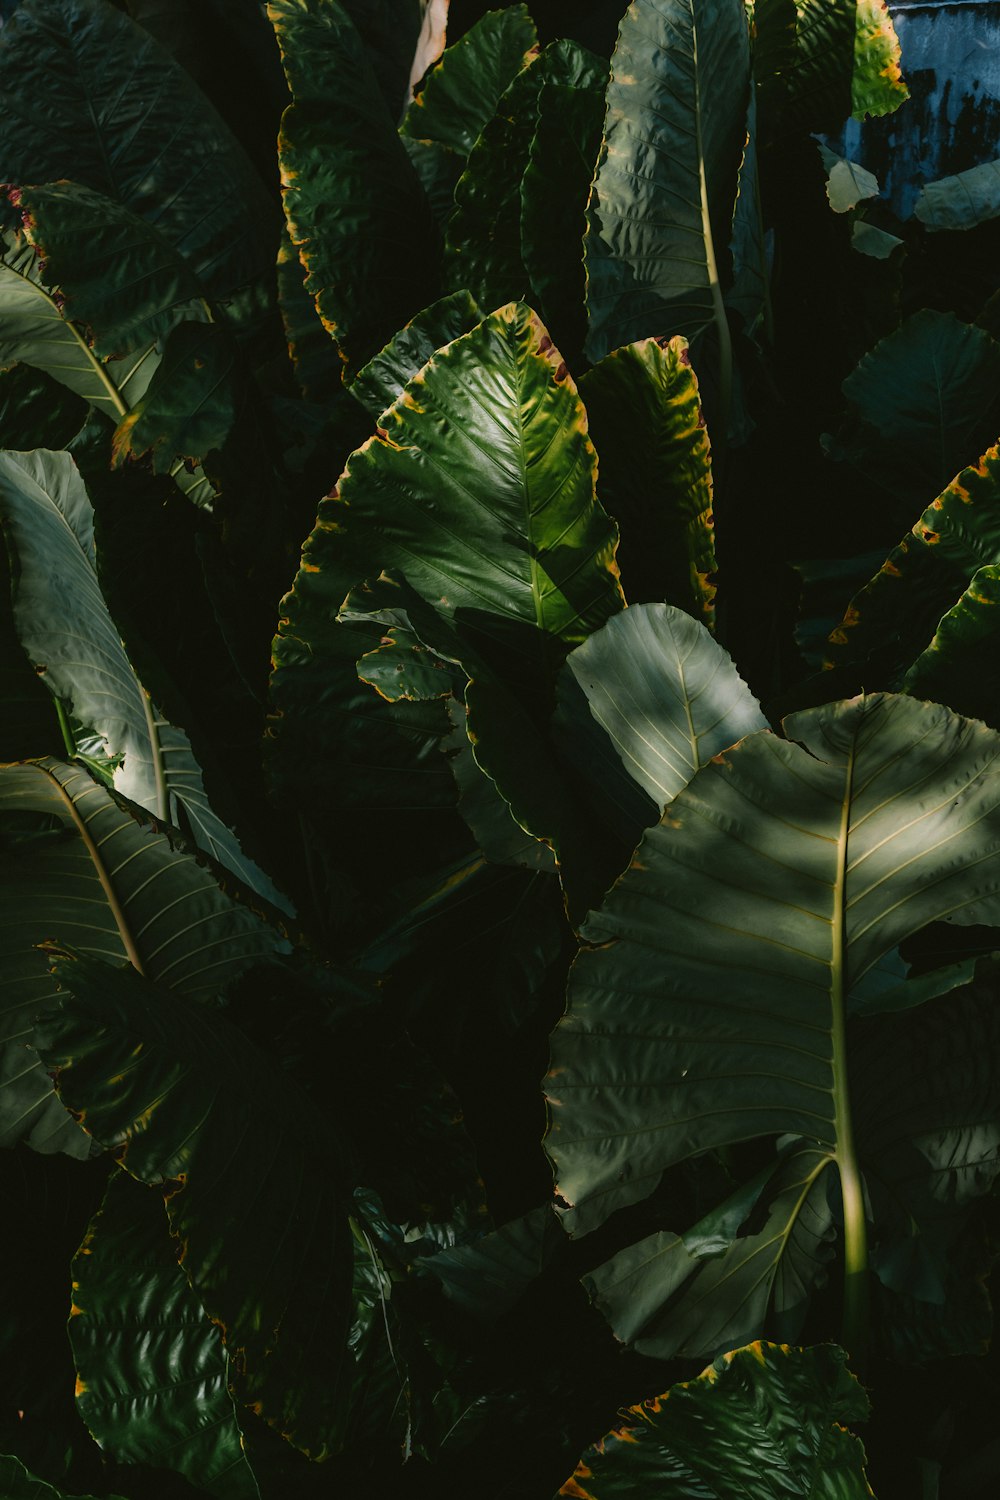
(453, 697)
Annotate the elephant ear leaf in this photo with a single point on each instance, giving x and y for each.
(756, 1422)
(151, 1368)
(662, 207)
(355, 208)
(127, 121)
(176, 1085)
(794, 865)
(76, 866)
(71, 640)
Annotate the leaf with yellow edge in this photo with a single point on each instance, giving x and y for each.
(764, 1422)
(877, 86)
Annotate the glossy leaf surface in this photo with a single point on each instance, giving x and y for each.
(655, 472)
(152, 1372)
(355, 208)
(959, 665)
(86, 871)
(764, 1421)
(384, 378)
(662, 207)
(795, 863)
(200, 1110)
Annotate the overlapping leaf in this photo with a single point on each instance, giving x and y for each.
(151, 1369)
(237, 1147)
(960, 664)
(655, 472)
(76, 867)
(786, 867)
(758, 1422)
(662, 207)
(355, 208)
(17, 1484)
(384, 378)
(70, 639)
(123, 118)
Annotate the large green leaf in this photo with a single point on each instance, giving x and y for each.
(763, 1422)
(483, 242)
(355, 208)
(793, 865)
(461, 93)
(77, 867)
(926, 404)
(962, 201)
(151, 1369)
(252, 1174)
(819, 61)
(555, 187)
(662, 208)
(17, 1484)
(70, 639)
(667, 698)
(384, 378)
(122, 117)
(877, 86)
(929, 571)
(655, 472)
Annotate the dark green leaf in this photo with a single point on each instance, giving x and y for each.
(17, 1484)
(312, 351)
(961, 665)
(762, 1422)
(383, 379)
(655, 472)
(486, 1277)
(96, 876)
(662, 210)
(252, 1176)
(355, 208)
(123, 118)
(152, 1372)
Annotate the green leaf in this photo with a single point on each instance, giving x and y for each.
(667, 698)
(655, 472)
(555, 187)
(926, 400)
(877, 86)
(960, 665)
(311, 349)
(490, 820)
(201, 1111)
(36, 411)
(460, 95)
(152, 1372)
(17, 1484)
(486, 1277)
(30, 724)
(662, 208)
(939, 558)
(125, 119)
(77, 867)
(383, 379)
(962, 200)
(696, 1295)
(65, 628)
(847, 183)
(764, 1422)
(483, 240)
(355, 208)
(795, 864)
(868, 239)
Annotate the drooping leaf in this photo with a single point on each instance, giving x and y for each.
(925, 404)
(869, 239)
(201, 1111)
(383, 379)
(794, 864)
(125, 119)
(877, 86)
(696, 1295)
(151, 1369)
(17, 1484)
(484, 235)
(962, 200)
(461, 93)
(71, 641)
(959, 666)
(666, 697)
(927, 573)
(555, 187)
(847, 183)
(76, 867)
(764, 1421)
(662, 207)
(355, 208)
(655, 472)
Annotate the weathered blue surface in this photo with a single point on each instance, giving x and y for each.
(951, 62)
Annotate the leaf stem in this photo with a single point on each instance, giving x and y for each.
(156, 753)
(69, 738)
